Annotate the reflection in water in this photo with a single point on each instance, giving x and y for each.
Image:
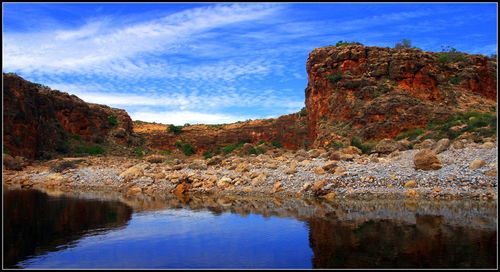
(246, 232)
(387, 244)
(35, 223)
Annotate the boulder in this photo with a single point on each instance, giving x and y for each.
(198, 164)
(426, 159)
(352, 150)
(132, 172)
(155, 158)
(387, 146)
(426, 144)
(476, 164)
(441, 145)
(11, 163)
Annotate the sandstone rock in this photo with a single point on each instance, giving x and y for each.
(426, 144)
(198, 164)
(318, 186)
(247, 189)
(290, 171)
(277, 187)
(155, 158)
(492, 173)
(410, 184)
(457, 145)
(133, 172)
(319, 171)
(330, 196)
(181, 189)
(214, 160)
(134, 191)
(426, 159)
(11, 163)
(404, 143)
(224, 182)
(305, 187)
(347, 157)
(487, 145)
(330, 165)
(411, 193)
(314, 153)
(476, 164)
(339, 171)
(386, 146)
(259, 179)
(351, 150)
(335, 155)
(441, 145)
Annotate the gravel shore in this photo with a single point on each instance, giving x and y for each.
(279, 173)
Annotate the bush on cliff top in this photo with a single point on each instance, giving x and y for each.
(175, 129)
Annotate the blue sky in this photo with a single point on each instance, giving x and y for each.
(177, 63)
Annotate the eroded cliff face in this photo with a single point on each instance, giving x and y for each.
(377, 93)
(288, 130)
(37, 121)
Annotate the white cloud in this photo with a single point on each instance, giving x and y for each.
(102, 47)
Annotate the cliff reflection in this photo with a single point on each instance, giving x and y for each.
(388, 244)
(35, 223)
(372, 234)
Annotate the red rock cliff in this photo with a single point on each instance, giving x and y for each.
(288, 130)
(374, 92)
(38, 120)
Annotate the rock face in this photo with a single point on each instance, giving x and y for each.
(289, 130)
(377, 93)
(38, 120)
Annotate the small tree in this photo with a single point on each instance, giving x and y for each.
(403, 43)
(175, 129)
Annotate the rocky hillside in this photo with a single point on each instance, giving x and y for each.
(39, 122)
(375, 93)
(289, 131)
(353, 91)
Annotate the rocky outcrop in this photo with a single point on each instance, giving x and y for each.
(38, 121)
(377, 93)
(289, 130)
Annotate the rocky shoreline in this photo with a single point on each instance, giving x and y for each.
(467, 170)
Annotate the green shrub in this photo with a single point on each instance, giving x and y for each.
(74, 137)
(139, 152)
(449, 54)
(455, 80)
(332, 78)
(276, 144)
(335, 145)
(112, 120)
(230, 148)
(303, 112)
(410, 134)
(340, 43)
(178, 144)
(207, 154)
(166, 152)
(188, 150)
(256, 151)
(366, 148)
(91, 150)
(403, 43)
(98, 140)
(175, 129)
(62, 147)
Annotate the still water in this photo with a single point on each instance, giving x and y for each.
(56, 230)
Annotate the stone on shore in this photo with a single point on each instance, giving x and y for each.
(427, 159)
